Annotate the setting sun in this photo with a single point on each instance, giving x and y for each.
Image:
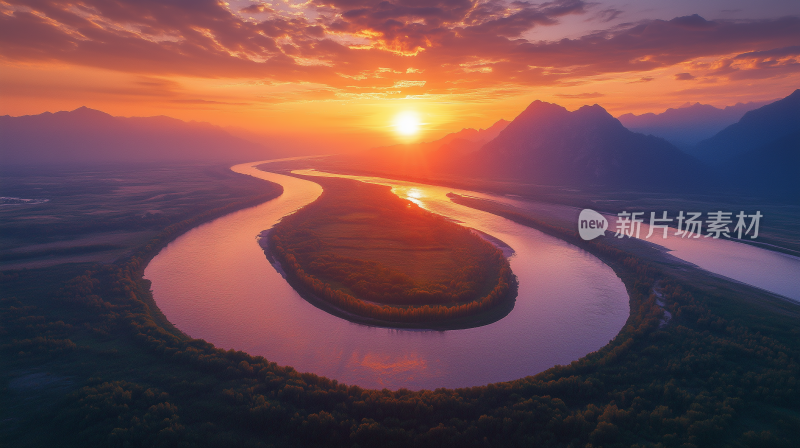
(407, 123)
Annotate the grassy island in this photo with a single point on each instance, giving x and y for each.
(370, 254)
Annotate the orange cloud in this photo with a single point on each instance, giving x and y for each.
(209, 60)
(452, 44)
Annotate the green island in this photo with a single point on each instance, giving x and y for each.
(87, 359)
(365, 254)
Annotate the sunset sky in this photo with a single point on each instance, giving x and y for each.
(348, 68)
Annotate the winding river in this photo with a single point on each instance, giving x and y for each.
(772, 271)
(215, 283)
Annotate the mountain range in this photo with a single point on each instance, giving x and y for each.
(757, 128)
(689, 124)
(547, 144)
(86, 136)
(760, 153)
(456, 144)
(427, 158)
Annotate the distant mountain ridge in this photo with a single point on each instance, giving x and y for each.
(479, 136)
(547, 144)
(760, 154)
(689, 124)
(426, 158)
(463, 141)
(88, 136)
(756, 128)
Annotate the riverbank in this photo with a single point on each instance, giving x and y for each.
(361, 253)
(493, 315)
(693, 261)
(778, 232)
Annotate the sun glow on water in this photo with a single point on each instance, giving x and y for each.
(412, 194)
(415, 193)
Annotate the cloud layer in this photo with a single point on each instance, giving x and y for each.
(371, 48)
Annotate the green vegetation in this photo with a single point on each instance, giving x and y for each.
(367, 252)
(86, 359)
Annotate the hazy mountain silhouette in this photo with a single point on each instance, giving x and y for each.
(423, 159)
(689, 124)
(547, 144)
(457, 143)
(468, 139)
(771, 170)
(756, 129)
(86, 136)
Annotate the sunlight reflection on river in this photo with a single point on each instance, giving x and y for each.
(215, 283)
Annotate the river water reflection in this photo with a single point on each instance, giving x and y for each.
(215, 283)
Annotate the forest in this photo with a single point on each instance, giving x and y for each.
(723, 372)
(366, 251)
